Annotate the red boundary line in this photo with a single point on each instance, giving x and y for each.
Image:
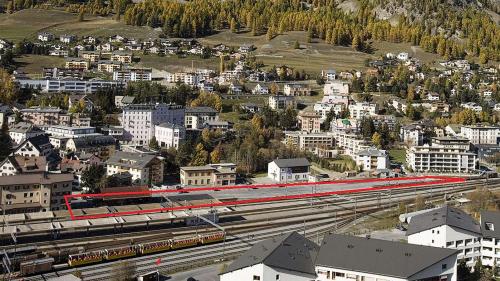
(436, 180)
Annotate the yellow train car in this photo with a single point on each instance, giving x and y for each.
(85, 258)
(154, 247)
(119, 253)
(185, 242)
(212, 238)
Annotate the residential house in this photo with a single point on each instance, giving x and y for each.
(77, 63)
(260, 90)
(329, 75)
(34, 147)
(294, 90)
(169, 135)
(280, 102)
(100, 145)
(362, 109)
(45, 36)
(209, 175)
(18, 164)
(372, 159)
(196, 117)
(289, 170)
(287, 257)
(67, 38)
(91, 56)
(109, 66)
(143, 168)
(481, 134)
(122, 57)
(309, 121)
(22, 131)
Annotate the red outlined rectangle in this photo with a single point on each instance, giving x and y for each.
(419, 181)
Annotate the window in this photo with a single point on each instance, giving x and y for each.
(443, 266)
(256, 278)
(449, 244)
(489, 226)
(277, 277)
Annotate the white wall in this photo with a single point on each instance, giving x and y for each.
(265, 273)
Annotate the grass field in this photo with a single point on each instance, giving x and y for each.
(173, 63)
(27, 23)
(33, 64)
(398, 155)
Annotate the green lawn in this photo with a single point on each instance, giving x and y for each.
(173, 63)
(398, 155)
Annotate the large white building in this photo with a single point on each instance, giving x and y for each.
(362, 109)
(479, 134)
(348, 258)
(139, 120)
(447, 227)
(278, 102)
(196, 117)
(372, 159)
(289, 170)
(288, 257)
(67, 85)
(169, 135)
(445, 154)
(336, 90)
(133, 74)
(22, 131)
(490, 242)
(324, 108)
(142, 168)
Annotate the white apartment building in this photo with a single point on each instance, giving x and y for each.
(143, 168)
(372, 159)
(447, 227)
(22, 131)
(445, 154)
(411, 135)
(197, 117)
(188, 78)
(133, 74)
(350, 142)
(169, 135)
(337, 88)
(309, 141)
(289, 170)
(278, 102)
(344, 258)
(70, 132)
(490, 242)
(139, 120)
(287, 257)
(296, 90)
(361, 109)
(67, 85)
(479, 134)
(324, 108)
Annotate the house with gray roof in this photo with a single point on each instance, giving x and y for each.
(447, 227)
(289, 170)
(490, 242)
(144, 168)
(285, 257)
(358, 258)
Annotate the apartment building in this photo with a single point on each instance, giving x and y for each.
(139, 120)
(67, 85)
(122, 57)
(77, 63)
(100, 145)
(188, 78)
(307, 141)
(287, 257)
(338, 89)
(133, 74)
(490, 242)
(18, 164)
(295, 90)
(63, 73)
(91, 56)
(209, 175)
(34, 192)
(412, 135)
(52, 116)
(362, 109)
(445, 154)
(34, 147)
(447, 227)
(22, 131)
(142, 168)
(352, 143)
(481, 134)
(323, 109)
(343, 258)
(279, 102)
(309, 121)
(289, 170)
(109, 66)
(70, 132)
(372, 159)
(196, 117)
(169, 135)
(292, 257)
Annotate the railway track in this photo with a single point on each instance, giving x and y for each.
(323, 206)
(304, 204)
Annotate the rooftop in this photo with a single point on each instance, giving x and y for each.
(131, 160)
(443, 216)
(490, 224)
(38, 178)
(292, 162)
(380, 257)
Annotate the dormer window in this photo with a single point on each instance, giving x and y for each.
(489, 226)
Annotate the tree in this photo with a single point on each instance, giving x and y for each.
(233, 26)
(483, 56)
(309, 34)
(200, 156)
(480, 199)
(153, 144)
(463, 271)
(208, 99)
(221, 64)
(5, 142)
(216, 154)
(356, 43)
(274, 89)
(296, 45)
(92, 176)
(377, 139)
(270, 33)
(8, 89)
(81, 14)
(288, 119)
